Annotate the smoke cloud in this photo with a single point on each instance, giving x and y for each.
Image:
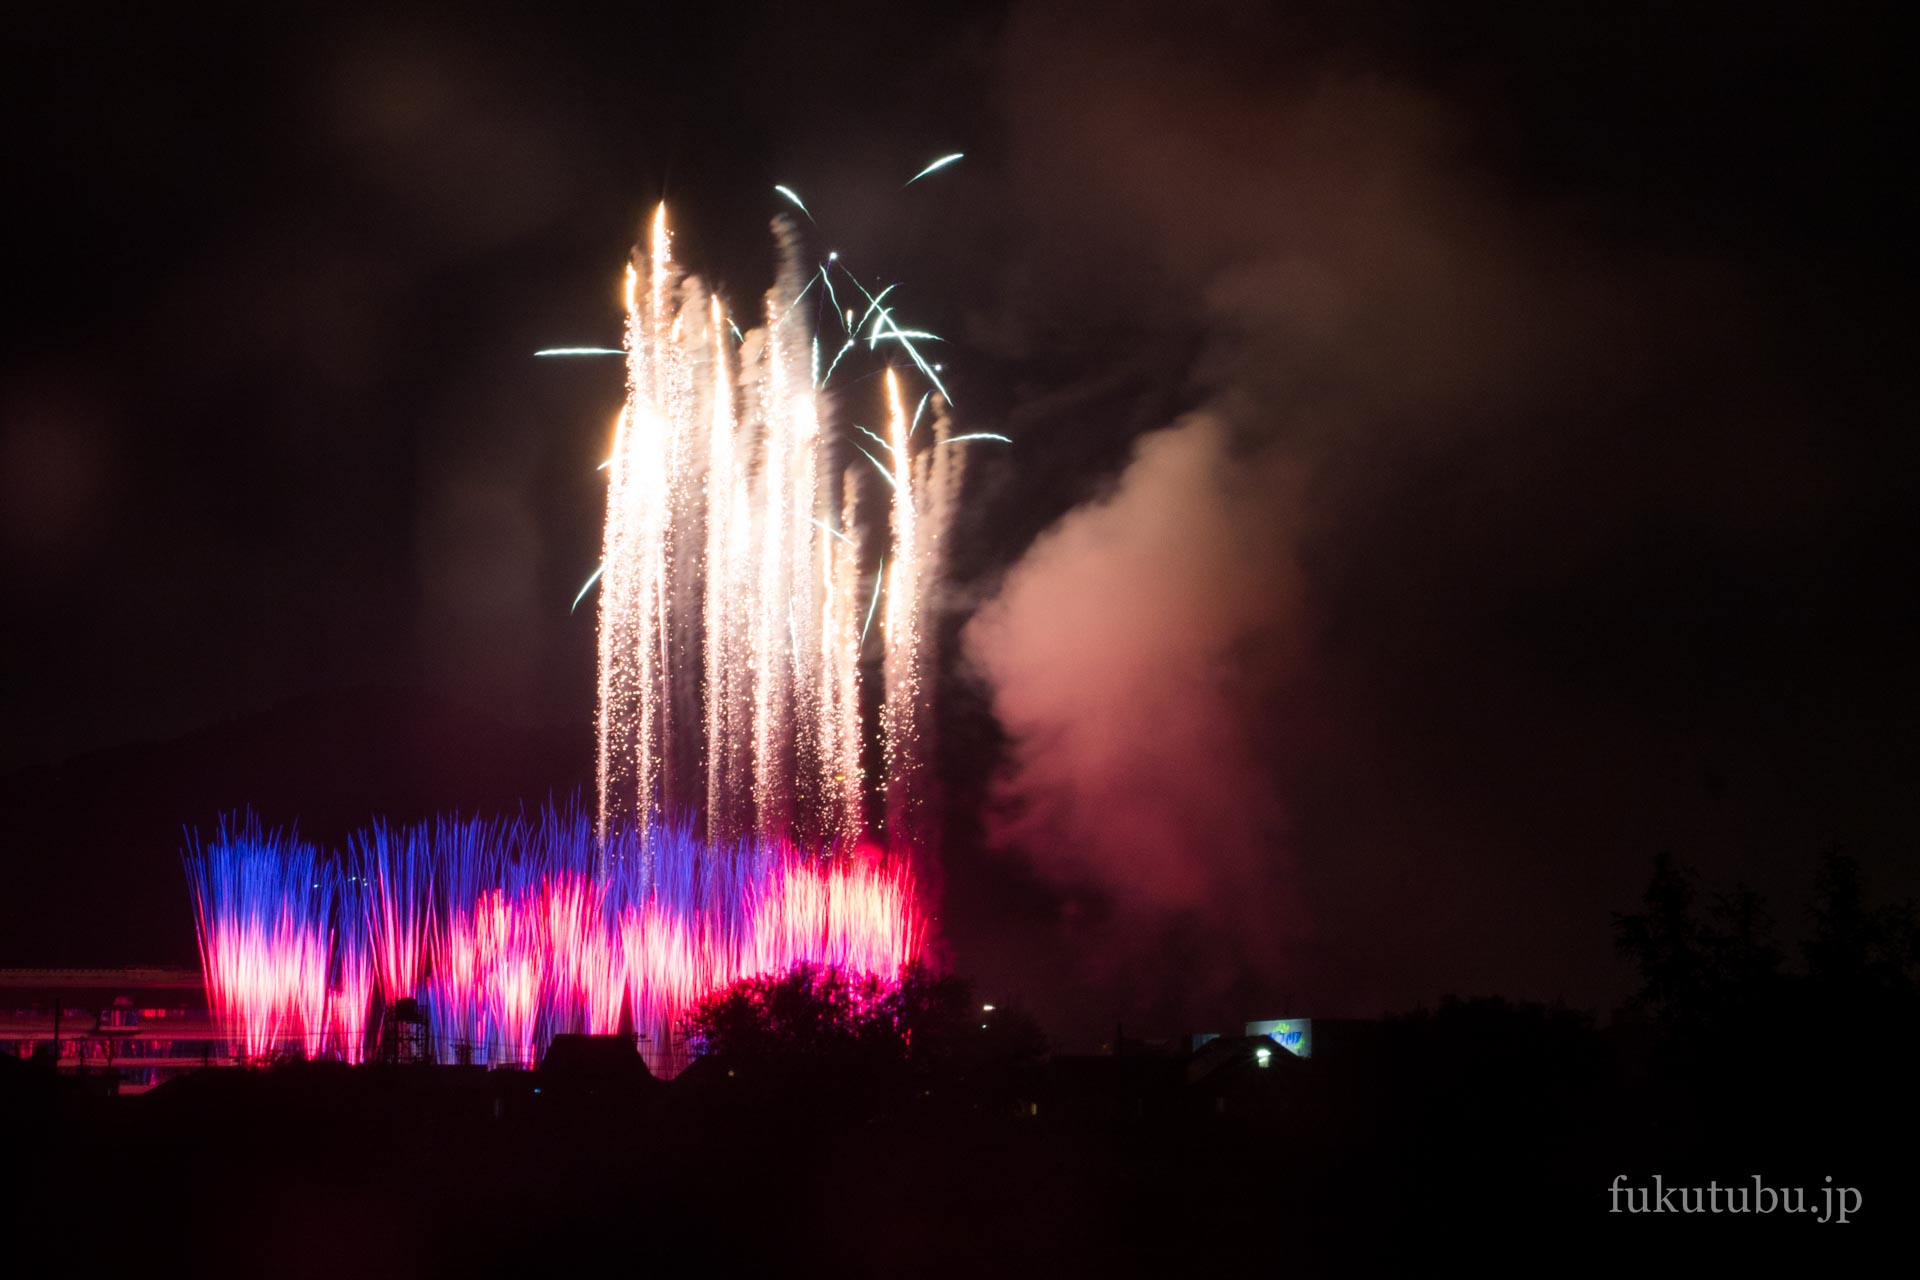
(1153, 656)
(1124, 651)
(1393, 654)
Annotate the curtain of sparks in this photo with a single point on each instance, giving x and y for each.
(734, 597)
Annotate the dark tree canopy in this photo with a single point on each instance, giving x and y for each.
(927, 1034)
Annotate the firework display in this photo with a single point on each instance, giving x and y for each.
(523, 930)
(737, 590)
(740, 601)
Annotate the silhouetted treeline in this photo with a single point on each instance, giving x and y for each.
(1751, 1044)
(843, 1127)
(1712, 965)
(823, 1032)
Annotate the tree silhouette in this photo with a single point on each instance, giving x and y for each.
(1716, 971)
(924, 1036)
(1667, 941)
(1719, 975)
(1861, 960)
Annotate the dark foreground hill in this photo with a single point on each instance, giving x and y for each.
(1418, 1154)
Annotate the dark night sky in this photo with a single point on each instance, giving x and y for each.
(1460, 449)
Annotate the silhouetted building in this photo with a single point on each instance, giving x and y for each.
(141, 1025)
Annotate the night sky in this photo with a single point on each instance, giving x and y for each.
(1459, 451)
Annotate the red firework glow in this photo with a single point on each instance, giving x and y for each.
(509, 934)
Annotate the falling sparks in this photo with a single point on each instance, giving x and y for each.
(797, 203)
(935, 167)
(900, 712)
(732, 581)
(587, 586)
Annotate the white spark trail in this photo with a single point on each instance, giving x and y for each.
(732, 626)
(935, 167)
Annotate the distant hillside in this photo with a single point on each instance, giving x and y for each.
(94, 843)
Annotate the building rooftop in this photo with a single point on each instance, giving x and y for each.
(97, 979)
